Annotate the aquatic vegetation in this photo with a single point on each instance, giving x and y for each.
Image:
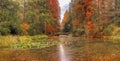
(41, 44)
(39, 38)
(7, 41)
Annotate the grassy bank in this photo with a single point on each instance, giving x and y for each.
(38, 41)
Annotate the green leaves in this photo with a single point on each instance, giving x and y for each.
(8, 17)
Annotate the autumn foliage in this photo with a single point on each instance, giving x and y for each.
(29, 17)
(65, 19)
(50, 28)
(91, 17)
(54, 7)
(25, 26)
(41, 17)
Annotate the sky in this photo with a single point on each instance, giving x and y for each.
(64, 5)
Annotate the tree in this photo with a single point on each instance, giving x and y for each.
(40, 14)
(91, 17)
(9, 19)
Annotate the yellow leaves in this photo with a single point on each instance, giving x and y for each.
(66, 15)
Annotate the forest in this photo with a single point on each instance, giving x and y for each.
(59, 30)
(29, 17)
(94, 18)
(84, 18)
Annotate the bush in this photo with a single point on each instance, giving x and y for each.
(10, 40)
(39, 37)
(4, 31)
(113, 30)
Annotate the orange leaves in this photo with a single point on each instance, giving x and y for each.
(50, 28)
(53, 5)
(89, 7)
(76, 22)
(77, 7)
(86, 8)
(90, 26)
(25, 27)
(55, 9)
(106, 21)
(88, 1)
(94, 14)
(66, 15)
(88, 14)
(89, 22)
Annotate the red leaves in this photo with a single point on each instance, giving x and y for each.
(53, 5)
(25, 27)
(77, 7)
(88, 14)
(89, 9)
(76, 22)
(88, 1)
(90, 25)
(50, 28)
(54, 8)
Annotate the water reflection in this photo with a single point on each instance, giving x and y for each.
(63, 56)
(62, 52)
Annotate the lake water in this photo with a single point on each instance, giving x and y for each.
(76, 49)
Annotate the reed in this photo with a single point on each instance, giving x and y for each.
(8, 41)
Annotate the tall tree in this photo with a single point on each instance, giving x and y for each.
(9, 19)
(91, 17)
(41, 14)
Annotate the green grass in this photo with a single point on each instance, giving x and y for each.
(38, 41)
